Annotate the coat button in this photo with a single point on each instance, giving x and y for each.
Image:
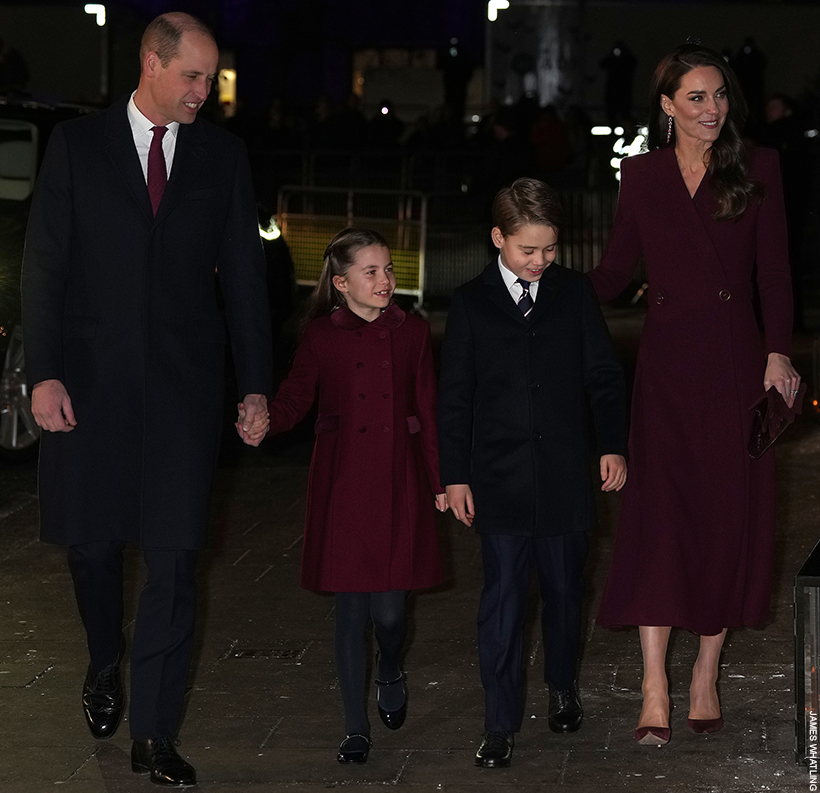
(362, 429)
(382, 335)
(659, 298)
(360, 365)
(535, 386)
(531, 334)
(361, 396)
(385, 396)
(725, 295)
(536, 436)
(385, 429)
(385, 364)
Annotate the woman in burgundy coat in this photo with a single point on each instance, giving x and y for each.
(370, 533)
(696, 533)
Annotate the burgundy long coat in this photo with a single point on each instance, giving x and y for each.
(370, 523)
(695, 539)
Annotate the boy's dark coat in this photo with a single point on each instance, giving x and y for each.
(513, 409)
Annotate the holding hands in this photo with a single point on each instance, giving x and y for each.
(254, 419)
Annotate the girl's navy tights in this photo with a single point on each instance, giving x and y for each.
(353, 611)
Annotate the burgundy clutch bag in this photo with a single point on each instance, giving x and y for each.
(770, 416)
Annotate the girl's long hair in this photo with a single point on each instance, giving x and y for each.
(731, 185)
(338, 258)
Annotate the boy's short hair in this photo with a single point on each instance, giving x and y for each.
(527, 202)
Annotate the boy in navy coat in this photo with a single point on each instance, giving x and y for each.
(526, 352)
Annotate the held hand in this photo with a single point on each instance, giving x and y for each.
(460, 499)
(613, 472)
(51, 406)
(441, 502)
(782, 375)
(253, 419)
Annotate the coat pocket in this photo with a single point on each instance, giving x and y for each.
(413, 425)
(79, 327)
(326, 423)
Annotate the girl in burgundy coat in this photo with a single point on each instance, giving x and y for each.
(370, 533)
(696, 533)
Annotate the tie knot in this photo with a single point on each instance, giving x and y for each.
(159, 132)
(525, 285)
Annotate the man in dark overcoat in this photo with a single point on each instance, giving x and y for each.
(135, 210)
(526, 352)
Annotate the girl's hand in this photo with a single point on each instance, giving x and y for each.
(441, 502)
(782, 375)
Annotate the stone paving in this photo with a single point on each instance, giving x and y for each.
(263, 712)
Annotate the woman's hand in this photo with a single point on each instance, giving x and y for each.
(441, 502)
(782, 375)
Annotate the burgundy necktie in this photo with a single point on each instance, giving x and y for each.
(157, 175)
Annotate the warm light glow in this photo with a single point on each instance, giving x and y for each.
(272, 232)
(98, 9)
(227, 91)
(494, 6)
(624, 149)
(601, 131)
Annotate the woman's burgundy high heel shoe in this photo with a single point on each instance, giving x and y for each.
(653, 736)
(705, 726)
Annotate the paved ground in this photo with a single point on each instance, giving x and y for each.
(263, 713)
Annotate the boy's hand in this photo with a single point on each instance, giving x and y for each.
(460, 499)
(441, 502)
(613, 472)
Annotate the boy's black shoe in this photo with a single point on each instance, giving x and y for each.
(565, 711)
(495, 750)
(158, 757)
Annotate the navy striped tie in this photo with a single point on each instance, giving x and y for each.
(525, 302)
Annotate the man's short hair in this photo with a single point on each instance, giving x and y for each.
(164, 34)
(527, 202)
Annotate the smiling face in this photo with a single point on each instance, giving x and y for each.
(369, 283)
(699, 106)
(529, 251)
(176, 92)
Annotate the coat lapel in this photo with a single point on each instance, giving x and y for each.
(120, 148)
(548, 288)
(498, 294)
(189, 155)
(695, 212)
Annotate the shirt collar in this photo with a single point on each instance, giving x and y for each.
(140, 125)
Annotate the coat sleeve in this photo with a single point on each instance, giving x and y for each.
(425, 398)
(623, 250)
(241, 266)
(603, 380)
(457, 385)
(46, 261)
(297, 393)
(773, 270)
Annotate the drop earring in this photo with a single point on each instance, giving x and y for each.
(669, 129)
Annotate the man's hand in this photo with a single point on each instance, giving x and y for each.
(253, 419)
(460, 500)
(613, 472)
(51, 406)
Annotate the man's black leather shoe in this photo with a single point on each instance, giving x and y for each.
(565, 711)
(158, 757)
(495, 750)
(103, 700)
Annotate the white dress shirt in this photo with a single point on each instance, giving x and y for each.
(141, 130)
(511, 282)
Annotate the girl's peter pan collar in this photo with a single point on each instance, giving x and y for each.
(345, 319)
